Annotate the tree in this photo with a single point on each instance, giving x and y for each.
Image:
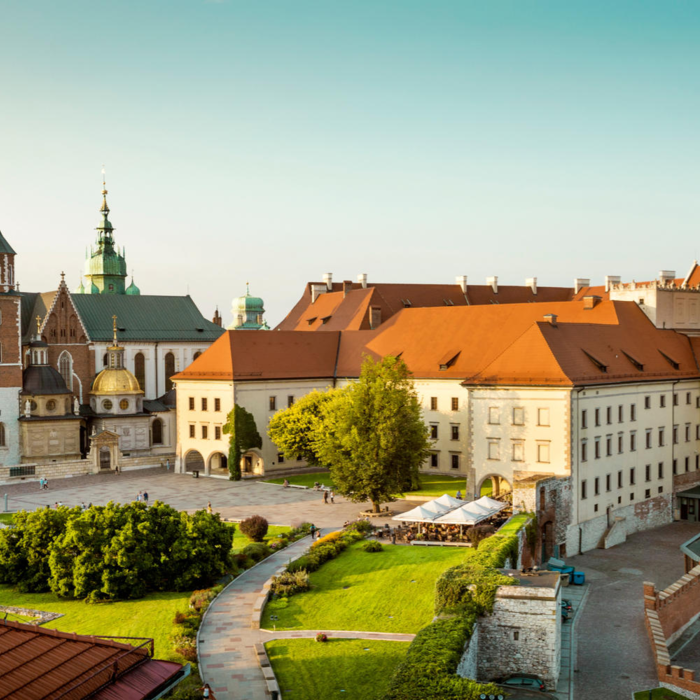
(372, 434)
(293, 429)
(240, 426)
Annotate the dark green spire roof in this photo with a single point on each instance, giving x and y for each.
(5, 247)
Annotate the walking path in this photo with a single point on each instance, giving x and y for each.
(341, 634)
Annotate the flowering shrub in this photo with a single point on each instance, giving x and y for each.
(320, 637)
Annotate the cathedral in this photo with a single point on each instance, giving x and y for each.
(85, 376)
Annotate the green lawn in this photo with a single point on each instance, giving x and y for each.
(6, 518)
(240, 540)
(659, 694)
(388, 591)
(431, 484)
(514, 524)
(487, 488)
(151, 616)
(351, 669)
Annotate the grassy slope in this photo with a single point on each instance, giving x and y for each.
(308, 670)
(308, 480)
(659, 694)
(381, 596)
(151, 616)
(514, 525)
(240, 540)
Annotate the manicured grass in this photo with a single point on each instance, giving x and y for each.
(308, 480)
(659, 694)
(487, 488)
(240, 540)
(387, 591)
(151, 616)
(514, 524)
(351, 669)
(6, 518)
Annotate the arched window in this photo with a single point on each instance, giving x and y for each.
(2, 435)
(157, 432)
(196, 355)
(140, 370)
(105, 360)
(65, 368)
(169, 370)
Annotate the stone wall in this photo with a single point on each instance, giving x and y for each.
(682, 482)
(522, 635)
(468, 666)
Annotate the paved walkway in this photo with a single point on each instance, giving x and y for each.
(577, 596)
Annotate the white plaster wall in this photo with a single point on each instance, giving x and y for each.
(9, 415)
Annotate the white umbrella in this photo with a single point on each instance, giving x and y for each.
(460, 516)
(418, 515)
(450, 501)
(491, 503)
(437, 507)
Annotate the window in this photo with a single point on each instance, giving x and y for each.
(518, 416)
(50, 405)
(65, 367)
(620, 444)
(140, 369)
(157, 432)
(647, 472)
(455, 432)
(661, 470)
(675, 399)
(433, 460)
(169, 370)
(205, 432)
(196, 355)
(518, 451)
(597, 448)
(687, 398)
(608, 415)
(217, 404)
(2, 435)
(619, 479)
(661, 489)
(595, 507)
(687, 464)
(107, 405)
(647, 437)
(217, 432)
(192, 431)
(631, 497)
(124, 404)
(584, 451)
(584, 495)
(661, 437)
(608, 480)
(543, 416)
(662, 400)
(494, 416)
(675, 466)
(455, 461)
(273, 403)
(543, 452)
(632, 476)
(290, 401)
(647, 402)
(675, 434)
(619, 500)
(687, 432)
(205, 404)
(633, 412)
(620, 414)
(596, 487)
(455, 403)
(584, 419)
(433, 431)
(597, 417)
(516, 636)
(647, 493)
(433, 403)
(494, 449)
(191, 403)
(608, 445)
(697, 462)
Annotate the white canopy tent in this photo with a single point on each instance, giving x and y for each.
(449, 501)
(417, 515)
(447, 510)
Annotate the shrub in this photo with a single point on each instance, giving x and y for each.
(354, 536)
(479, 533)
(363, 526)
(278, 543)
(328, 539)
(254, 528)
(320, 637)
(288, 583)
(372, 546)
(179, 618)
(304, 563)
(257, 551)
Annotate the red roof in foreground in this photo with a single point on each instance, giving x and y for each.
(41, 664)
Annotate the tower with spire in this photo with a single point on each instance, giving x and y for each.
(105, 264)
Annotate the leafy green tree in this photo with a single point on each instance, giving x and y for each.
(372, 434)
(243, 435)
(293, 429)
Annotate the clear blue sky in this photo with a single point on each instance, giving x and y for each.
(276, 140)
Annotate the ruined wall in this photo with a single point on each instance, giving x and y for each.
(468, 666)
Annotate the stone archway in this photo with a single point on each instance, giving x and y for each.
(498, 486)
(194, 462)
(217, 464)
(252, 463)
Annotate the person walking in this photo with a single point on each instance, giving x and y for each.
(167, 465)
(209, 509)
(332, 497)
(41, 483)
(312, 530)
(46, 484)
(459, 495)
(207, 692)
(325, 496)
(145, 497)
(393, 536)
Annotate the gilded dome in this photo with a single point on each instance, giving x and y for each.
(115, 381)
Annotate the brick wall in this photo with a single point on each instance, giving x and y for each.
(682, 482)
(667, 614)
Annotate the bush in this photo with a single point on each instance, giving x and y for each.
(363, 526)
(479, 533)
(257, 551)
(254, 528)
(328, 539)
(304, 563)
(278, 543)
(288, 583)
(320, 637)
(179, 618)
(372, 546)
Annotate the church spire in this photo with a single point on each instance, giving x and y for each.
(105, 228)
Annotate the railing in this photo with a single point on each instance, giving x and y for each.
(26, 470)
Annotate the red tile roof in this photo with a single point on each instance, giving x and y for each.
(493, 344)
(42, 664)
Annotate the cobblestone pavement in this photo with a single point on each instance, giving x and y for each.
(232, 499)
(614, 657)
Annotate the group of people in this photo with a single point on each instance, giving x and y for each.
(43, 484)
(142, 496)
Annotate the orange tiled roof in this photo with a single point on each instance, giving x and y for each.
(494, 344)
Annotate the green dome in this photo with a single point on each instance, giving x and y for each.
(94, 289)
(80, 289)
(132, 289)
(248, 303)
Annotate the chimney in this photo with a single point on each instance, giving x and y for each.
(610, 280)
(328, 281)
(461, 280)
(532, 283)
(551, 319)
(317, 290)
(217, 318)
(493, 281)
(362, 280)
(347, 286)
(666, 276)
(590, 301)
(580, 283)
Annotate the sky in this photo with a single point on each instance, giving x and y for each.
(274, 141)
